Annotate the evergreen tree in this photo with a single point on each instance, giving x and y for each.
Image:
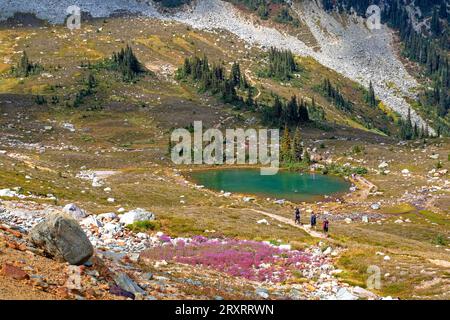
(333, 94)
(306, 157)
(214, 79)
(436, 23)
(249, 101)
(235, 76)
(127, 63)
(277, 108)
(297, 148)
(371, 99)
(282, 64)
(285, 151)
(25, 67)
(303, 115)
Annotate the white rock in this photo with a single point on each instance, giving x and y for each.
(383, 165)
(348, 220)
(111, 228)
(96, 182)
(263, 295)
(262, 221)
(376, 206)
(135, 216)
(111, 200)
(76, 212)
(107, 216)
(386, 258)
(68, 126)
(344, 294)
(161, 263)
(91, 221)
(8, 193)
(363, 293)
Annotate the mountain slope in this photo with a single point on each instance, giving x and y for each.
(345, 44)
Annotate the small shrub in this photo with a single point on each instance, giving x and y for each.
(40, 100)
(358, 149)
(439, 240)
(143, 226)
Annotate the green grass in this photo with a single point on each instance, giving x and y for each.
(144, 226)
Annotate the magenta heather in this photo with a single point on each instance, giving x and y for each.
(248, 259)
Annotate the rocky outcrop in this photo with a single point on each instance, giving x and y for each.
(62, 238)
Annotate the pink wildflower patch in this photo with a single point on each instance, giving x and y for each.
(248, 259)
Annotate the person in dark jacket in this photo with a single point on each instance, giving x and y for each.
(326, 225)
(297, 216)
(313, 220)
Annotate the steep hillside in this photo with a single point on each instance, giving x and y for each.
(86, 118)
(344, 44)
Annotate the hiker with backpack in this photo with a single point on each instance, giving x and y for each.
(313, 220)
(326, 225)
(297, 216)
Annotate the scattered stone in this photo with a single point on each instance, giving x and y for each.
(91, 221)
(344, 294)
(262, 292)
(125, 282)
(376, 206)
(383, 165)
(14, 272)
(364, 294)
(108, 216)
(118, 291)
(8, 193)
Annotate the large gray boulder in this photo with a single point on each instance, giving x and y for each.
(62, 238)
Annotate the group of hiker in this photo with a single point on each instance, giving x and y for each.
(313, 221)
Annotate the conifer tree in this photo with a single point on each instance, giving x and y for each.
(25, 67)
(286, 145)
(297, 148)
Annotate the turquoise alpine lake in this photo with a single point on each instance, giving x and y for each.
(292, 186)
